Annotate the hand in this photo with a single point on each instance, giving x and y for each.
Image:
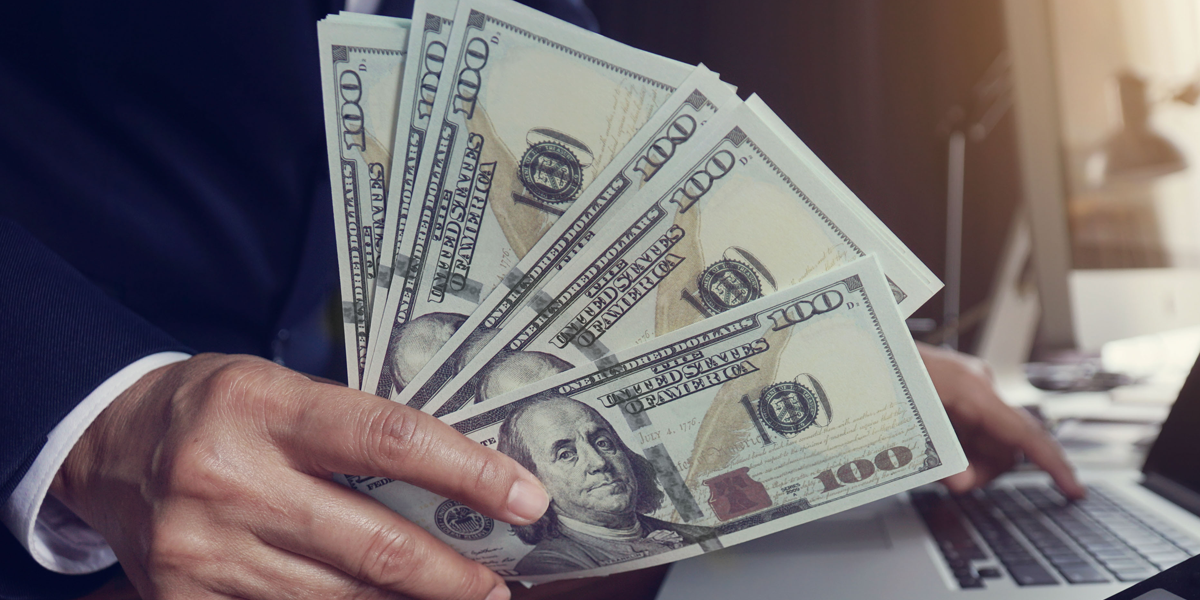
(210, 478)
(992, 433)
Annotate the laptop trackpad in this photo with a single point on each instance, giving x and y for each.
(832, 534)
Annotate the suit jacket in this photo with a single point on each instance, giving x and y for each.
(163, 186)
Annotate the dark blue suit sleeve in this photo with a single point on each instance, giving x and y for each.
(60, 337)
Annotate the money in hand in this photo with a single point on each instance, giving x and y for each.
(778, 411)
(362, 61)
(604, 264)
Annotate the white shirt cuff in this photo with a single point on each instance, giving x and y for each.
(53, 535)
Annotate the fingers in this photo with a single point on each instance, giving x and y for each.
(270, 573)
(980, 472)
(369, 543)
(1020, 431)
(961, 483)
(266, 572)
(319, 379)
(346, 431)
(996, 432)
(1040, 448)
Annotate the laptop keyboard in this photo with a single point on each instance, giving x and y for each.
(1039, 537)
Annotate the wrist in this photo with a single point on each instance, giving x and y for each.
(111, 434)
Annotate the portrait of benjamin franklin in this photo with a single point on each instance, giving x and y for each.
(417, 341)
(600, 490)
(514, 370)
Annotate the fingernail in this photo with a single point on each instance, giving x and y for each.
(527, 500)
(500, 593)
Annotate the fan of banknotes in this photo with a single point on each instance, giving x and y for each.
(607, 265)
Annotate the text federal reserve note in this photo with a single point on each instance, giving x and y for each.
(782, 410)
(665, 136)
(534, 109)
(736, 218)
(362, 60)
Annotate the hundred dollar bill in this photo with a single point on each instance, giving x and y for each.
(666, 135)
(427, 46)
(362, 59)
(535, 109)
(785, 409)
(740, 216)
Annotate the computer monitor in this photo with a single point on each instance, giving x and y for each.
(1109, 143)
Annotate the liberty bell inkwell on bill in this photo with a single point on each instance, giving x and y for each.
(789, 407)
(552, 170)
(737, 278)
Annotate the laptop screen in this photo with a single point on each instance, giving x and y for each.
(1173, 465)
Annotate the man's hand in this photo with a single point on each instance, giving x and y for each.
(210, 478)
(992, 433)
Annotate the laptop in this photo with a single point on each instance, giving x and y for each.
(1019, 538)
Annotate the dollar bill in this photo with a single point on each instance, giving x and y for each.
(420, 86)
(779, 411)
(740, 216)
(362, 61)
(665, 136)
(536, 109)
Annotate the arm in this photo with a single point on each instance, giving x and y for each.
(62, 338)
(210, 479)
(52, 535)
